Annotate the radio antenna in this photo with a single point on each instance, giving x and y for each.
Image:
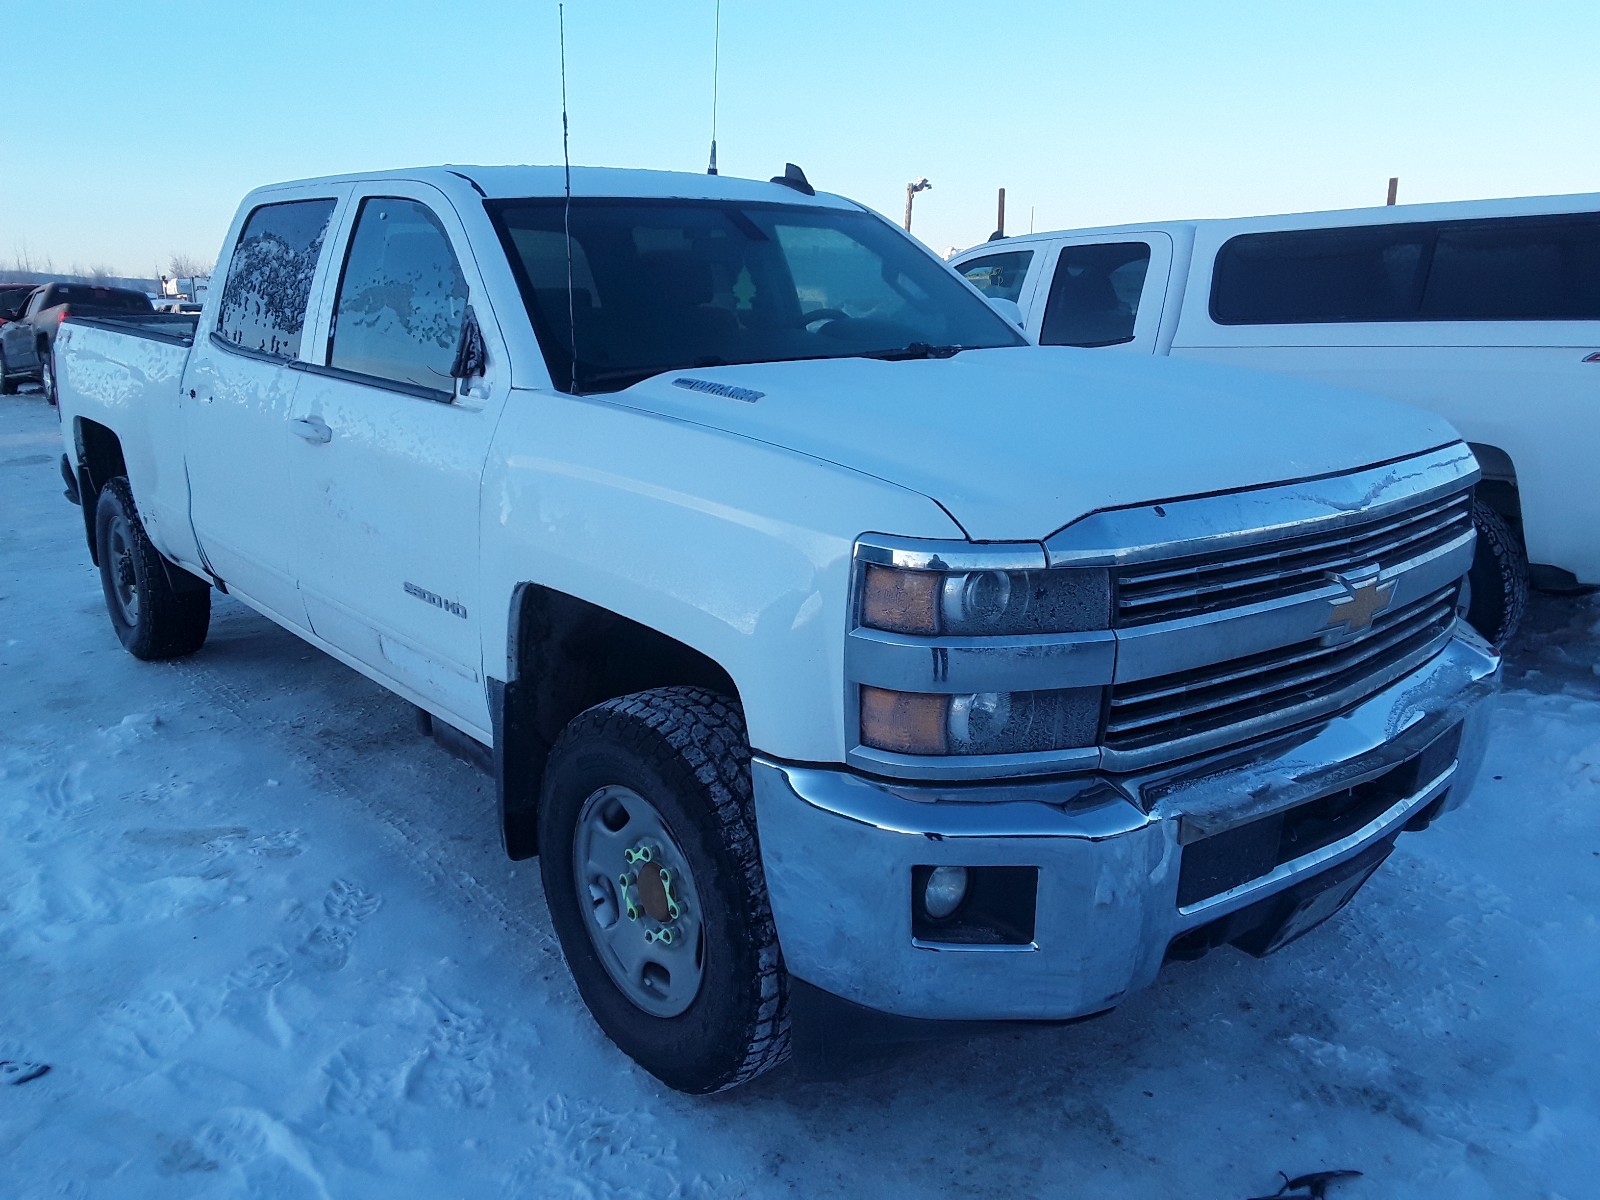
(716, 67)
(566, 211)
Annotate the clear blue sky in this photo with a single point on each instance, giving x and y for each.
(134, 126)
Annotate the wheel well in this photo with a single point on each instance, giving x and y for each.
(567, 655)
(99, 459)
(1498, 487)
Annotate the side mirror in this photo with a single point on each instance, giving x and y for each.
(472, 357)
(1006, 308)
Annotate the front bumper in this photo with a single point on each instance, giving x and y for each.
(839, 850)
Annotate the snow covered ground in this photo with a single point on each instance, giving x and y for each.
(264, 937)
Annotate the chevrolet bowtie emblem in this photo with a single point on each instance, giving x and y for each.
(1367, 598)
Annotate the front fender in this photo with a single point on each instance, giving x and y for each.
(736, 548)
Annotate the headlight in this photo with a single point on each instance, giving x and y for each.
(985, 603)
(980, 722)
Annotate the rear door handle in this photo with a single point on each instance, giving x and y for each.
(312, 429)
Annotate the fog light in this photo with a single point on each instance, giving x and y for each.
(945, 890)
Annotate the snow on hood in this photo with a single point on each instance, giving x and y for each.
(1017, 442)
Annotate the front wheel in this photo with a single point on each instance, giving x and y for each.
(8, 387)
(1497, 583)
(653, 879)
(152, 618)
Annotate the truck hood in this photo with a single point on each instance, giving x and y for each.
(1016, 443)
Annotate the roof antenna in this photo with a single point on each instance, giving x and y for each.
(716, 66)
(566, 211)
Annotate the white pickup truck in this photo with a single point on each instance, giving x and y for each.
(839, 651)
(1484, 311)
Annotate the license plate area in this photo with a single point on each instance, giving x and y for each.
(1270, 925)
(1223, 861)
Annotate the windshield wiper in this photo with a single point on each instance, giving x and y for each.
(913, 350)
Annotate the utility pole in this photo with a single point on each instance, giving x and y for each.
(1394, 188)
(1000, 219)
(919, 185)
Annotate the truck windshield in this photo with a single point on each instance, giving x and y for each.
(667, 285)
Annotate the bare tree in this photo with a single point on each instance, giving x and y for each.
(99, 273)
(26, 262)
(188, 266)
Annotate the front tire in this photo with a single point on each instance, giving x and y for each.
(152, 618)
(1497, 583)
(8, 387)
(653, 785)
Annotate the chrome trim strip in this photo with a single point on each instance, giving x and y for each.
(926, 554)
(970, 766)
(1224, 523)
(907, 663)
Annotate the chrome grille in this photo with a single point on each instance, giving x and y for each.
(1179, 587)
(1294, 682)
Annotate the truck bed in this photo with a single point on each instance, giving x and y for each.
(166, 327)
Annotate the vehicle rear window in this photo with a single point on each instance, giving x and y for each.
(999, 275)
(1494, 269)
(264, 298)
(1094, 297)
(86, 300)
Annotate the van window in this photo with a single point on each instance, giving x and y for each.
(264, 298)
(1515, 271)
(999, 275)
(1495, 269)
(1094, 297)
(402, 298)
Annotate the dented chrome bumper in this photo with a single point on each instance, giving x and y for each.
(1111, 892)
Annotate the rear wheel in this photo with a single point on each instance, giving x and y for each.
(8, 386)
(1497, 584)
(653, 878)
(47, 374)
(153, 619)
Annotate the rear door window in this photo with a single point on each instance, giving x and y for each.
(402, 297)
(265, 296)
(999, 275)
(1094, 297)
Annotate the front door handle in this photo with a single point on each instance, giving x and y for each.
(312, 429)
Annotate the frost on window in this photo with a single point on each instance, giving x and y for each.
(269, 280)
(402, 298)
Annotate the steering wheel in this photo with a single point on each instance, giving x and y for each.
(822, 314)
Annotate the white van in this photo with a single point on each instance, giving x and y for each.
(1487, 312)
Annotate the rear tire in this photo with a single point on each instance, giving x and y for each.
(47, 374)
(667, 769)
(152, 618)
(1497, 583)
(8, 386)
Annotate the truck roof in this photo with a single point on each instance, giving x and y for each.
(511, 182)
(1449, 210)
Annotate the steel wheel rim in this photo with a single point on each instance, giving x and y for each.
(124, 581)
(47, 378)
(646, 931)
